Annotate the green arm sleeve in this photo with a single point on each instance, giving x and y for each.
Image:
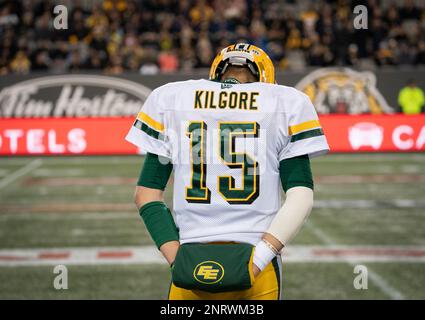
(155, 172)
(159, 222)
(296, 172)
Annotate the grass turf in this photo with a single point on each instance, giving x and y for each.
(46, 209)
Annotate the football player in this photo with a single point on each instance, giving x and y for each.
(233, 141)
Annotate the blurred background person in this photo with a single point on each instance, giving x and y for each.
(411, 98)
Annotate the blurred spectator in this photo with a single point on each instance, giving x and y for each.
(420, 55)
(20, 63)
(352, 58)
(168, 61)
(115, 66)
(409, 10)
(149, 64)
(166, 35)
(201, 11)
(411, 98)
(41, 61)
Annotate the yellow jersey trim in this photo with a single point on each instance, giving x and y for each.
(303, 126)
(150, 122)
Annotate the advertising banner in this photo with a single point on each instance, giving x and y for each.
(72, 96)
(105, 136)
(65, 136)
(379, 133)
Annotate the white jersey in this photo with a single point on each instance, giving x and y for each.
(225, 142)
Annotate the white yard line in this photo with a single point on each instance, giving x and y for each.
(21, 210)
(76, 161)
(380, 282)
(135, 159)
(20, 172)
(369, 204)
(79, 160)
(118, 215)
(150, 255)
(417, 157)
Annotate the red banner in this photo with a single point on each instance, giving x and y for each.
(95, 136)
(65, 136)
(375, 133)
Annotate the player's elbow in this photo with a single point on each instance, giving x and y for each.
(139, 198)
(143, 195)
(136, 198)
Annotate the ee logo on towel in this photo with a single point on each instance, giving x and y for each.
(208, 272)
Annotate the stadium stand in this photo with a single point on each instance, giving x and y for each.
(150, 36)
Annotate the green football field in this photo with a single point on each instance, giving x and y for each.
(79, 212)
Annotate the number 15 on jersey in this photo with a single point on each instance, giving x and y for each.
(228, 132)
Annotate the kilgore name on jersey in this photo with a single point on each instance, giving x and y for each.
(205, 99)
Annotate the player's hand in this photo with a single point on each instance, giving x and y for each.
(255, 270)
(169, 250)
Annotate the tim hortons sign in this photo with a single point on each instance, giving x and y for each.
(72, 96)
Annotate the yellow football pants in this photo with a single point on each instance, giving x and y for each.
(267, 286)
